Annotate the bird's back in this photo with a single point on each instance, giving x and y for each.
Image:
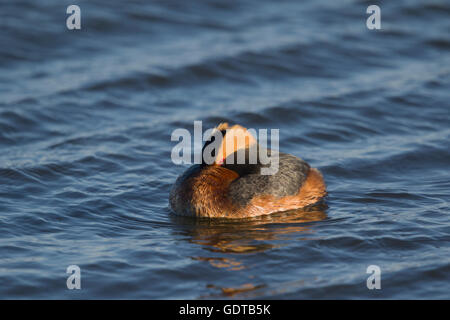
(286, 181)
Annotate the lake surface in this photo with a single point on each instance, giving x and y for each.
(85, 169)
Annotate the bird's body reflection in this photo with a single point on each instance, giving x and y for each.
(227, 241)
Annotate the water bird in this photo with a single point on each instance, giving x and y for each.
(228, 188)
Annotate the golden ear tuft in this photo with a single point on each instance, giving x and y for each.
(222, 126)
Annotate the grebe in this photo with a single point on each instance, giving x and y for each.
(225, 189)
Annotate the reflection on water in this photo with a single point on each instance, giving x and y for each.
(234, 238)
(230, 292)
(252, 234)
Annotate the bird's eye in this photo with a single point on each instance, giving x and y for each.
(213, 152)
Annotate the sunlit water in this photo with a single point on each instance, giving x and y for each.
(85, 169)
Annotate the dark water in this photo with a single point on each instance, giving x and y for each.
(85, 169)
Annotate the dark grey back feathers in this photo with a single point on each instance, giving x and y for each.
(292, 173)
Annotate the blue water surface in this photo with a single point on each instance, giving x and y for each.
(85, 169)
